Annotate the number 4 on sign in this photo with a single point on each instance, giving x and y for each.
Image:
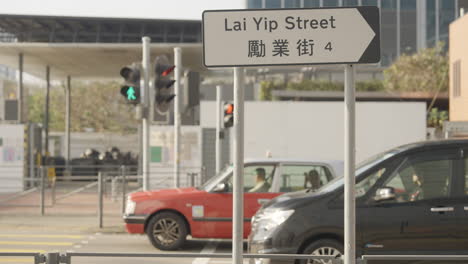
(328, 46)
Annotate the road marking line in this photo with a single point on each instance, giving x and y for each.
(30, 243)
(21, 250)
(17, 260)
(43, 236)
(208, 249)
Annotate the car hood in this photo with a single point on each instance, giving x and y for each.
(294, 199)
(163, 193)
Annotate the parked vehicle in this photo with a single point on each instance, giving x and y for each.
(168, 216)
(410, 200)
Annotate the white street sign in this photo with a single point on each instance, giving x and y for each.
(291, 36)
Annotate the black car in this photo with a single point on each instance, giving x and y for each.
(410, 200)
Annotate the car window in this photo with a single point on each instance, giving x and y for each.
(300, 177)
(257, 178)
(421, 180)
(368, 182)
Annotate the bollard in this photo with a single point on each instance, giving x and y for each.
(53, 192)
(100, 193)
(42, 198)
(192, 179)
(124, 189)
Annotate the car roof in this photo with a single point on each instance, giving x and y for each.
(440, 143)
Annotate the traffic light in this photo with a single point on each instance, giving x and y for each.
(131, 87)
(163, 83)
(228, 115)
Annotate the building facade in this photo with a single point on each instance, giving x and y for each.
(458, 59)
(406, 25)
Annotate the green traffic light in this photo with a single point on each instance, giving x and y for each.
(131, 93)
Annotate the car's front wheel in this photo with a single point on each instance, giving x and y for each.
(167, 231)
(323, 247)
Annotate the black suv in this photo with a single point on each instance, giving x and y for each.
(410, 200)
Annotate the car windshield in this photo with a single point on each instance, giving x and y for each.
(210, 184)
(360, 168)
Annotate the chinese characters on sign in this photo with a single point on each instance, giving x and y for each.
(280, 47)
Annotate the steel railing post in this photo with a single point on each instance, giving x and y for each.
(53, 194)
(53, 258)
(42, 198)
(100, 193)
(65, 259)
(124, 189)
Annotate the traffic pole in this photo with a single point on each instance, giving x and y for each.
(219, 117)
(145, 106)
(238, 201)
(349, 162)
(177, 115)
(67, 121)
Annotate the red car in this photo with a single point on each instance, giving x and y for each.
(168, 216)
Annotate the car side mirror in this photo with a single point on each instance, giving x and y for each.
(220, 187)
(384, 194)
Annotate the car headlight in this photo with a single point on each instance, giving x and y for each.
(130, 206)
(270, 219)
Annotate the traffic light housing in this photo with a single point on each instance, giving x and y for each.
(228, 119)
(163, 84)
(131, 87)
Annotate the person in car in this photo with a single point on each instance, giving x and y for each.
(312, 180)
(417, 193)
(261, 184)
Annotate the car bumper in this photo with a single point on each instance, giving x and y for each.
(265, 247)
(135, 224)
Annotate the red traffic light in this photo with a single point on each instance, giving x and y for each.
(229, 109)
(168, 71)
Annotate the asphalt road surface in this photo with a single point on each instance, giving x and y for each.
(43, 242)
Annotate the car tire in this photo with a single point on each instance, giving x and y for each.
(323, 247)
(167, 231)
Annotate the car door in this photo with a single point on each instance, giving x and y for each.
(218, 205)
(421, 217)
(461, 206)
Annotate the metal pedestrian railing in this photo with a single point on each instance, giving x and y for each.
(37, 257)
(53, 189)
(366, 258)
(67, 258)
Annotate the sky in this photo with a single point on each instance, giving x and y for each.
(157, 9)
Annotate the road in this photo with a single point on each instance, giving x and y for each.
(36, 241)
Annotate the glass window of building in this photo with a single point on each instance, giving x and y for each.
(254, 4)
(311, 3)
(446, 16)
(388, 32)
(350, 2)
(369, 2)
(408, 26)
(292, 3)
(430, 22)
(388, 4)
(330, 2)
(273, 4)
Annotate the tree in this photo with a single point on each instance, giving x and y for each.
(425, 71)
(96, 105)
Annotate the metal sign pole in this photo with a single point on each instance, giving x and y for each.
(238, 197)
(219, 117)
(145, 120)
(177, 115)
(67, 120)
(349, 161)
